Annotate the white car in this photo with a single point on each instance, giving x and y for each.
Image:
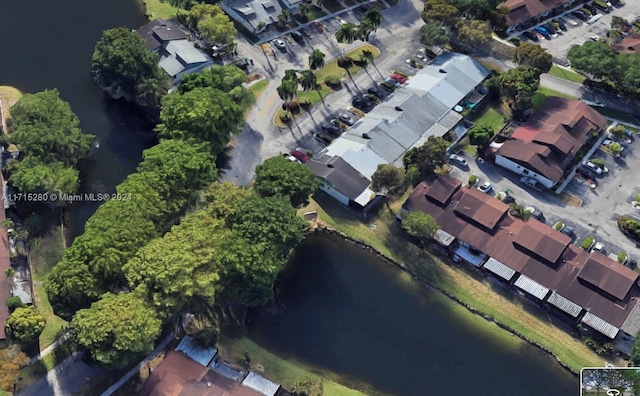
(593, 167)
(570, 20)
(485, 187)
(346, 118)
(280, 44)
(597, 247)
(458, 160)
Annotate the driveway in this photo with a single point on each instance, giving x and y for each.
(600, 207)
(397, 38)
(577, 35)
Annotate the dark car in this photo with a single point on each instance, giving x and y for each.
(331, 128)
(530, 35)
(537, 215)
(586, 173)
(567, 230)
(378, 93)
(508, 199)
(297, 36)
(580, 15)
(550, 29)
(363, 104)
(633, 264)
(561, 23)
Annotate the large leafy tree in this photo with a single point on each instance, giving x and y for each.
(473, 32)
(122, 63)
(432, 34)
(481, 135)
(519, 84)
(212, 23)
(278, 176)
(25, 324)
(593, 57)
(316, 59)
(420, 225)
(528, 54)
(224, 78)
(440, 11)
(204, 114)
(12, 359)
(117, 329)
(425, 159)
(32, 175)
(388, 179)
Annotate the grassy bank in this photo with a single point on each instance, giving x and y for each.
(566, 74)
(285, 372)
(160, 9)
(45, 252)
(472, 289)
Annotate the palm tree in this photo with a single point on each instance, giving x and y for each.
(308, 80)
(364, 29)
(374, 16)
(316, 59)
(347, 33)
(304, 9)
(320, 3)
(290, 75)
(287, 91)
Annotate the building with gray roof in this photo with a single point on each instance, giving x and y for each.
(177, 54)
(253, 15)
(421, 108)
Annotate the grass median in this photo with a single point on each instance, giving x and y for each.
(566, 74)
(472, 289)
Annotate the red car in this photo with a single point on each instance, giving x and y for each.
(399, 78)
(300, 156)
(318, 26)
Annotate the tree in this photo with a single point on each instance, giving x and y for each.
(388, 179)
(364, 30)
(593, 57)
(618, 22)
(374, 17)
(316, 59)
(14, 302)
(25, 324)
(347, 33)
(481, 135)
(116, 330)
(290, 75)
(473, 32)
(426, 158)
(32, 175)
(304, 10)
(224, 78)
(439, 11)
(204, 114)
(122, 63)
(278, 176)
(528, 54)
(308, 80)
(12, 359)
(287, 91)
(433, 34)
(213, 24)
(420, 225)
(518, 85)
(308, 387)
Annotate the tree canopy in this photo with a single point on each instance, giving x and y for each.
(426, 158)
(12, 359)
(204, 114)
(518, 86)
(117, 329)
(278, 176)
(481, 135)
(224, 78)
(439, 11)
(473, 31)
(432, 34)
(122, 63)
(420, 225)
(528, 54)
(388, 179)
(25, 324)
(316, 59)
(213, 24)
(594, 58)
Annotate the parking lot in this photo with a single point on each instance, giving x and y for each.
(577, 35)
(600, 207)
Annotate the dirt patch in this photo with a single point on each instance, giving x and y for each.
(570, 200)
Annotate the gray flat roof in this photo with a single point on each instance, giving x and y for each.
(600, 325)
(499, 269)
(195, 351)
(564, 304)
(532, 287)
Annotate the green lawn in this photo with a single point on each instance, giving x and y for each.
(332, 69)
(566, 74)
(285, 372)
(259, 87)
(315, 13)
(542, 94)
(535, 324)
(160, 9)
(490, 116)
(45, 252)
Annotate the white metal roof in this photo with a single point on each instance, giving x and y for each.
(195, 351)
(443, 237)
(532, 287)
(600, 325)
(499, 269)
(260, 384)
(564, 304)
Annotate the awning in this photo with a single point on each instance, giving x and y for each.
(564, 304)
(499, 269)
(532, 287)
(600, 325)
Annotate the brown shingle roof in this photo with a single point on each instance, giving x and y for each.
(628, 45)
(542, 240)
(521, 10)
(608, 275)
(441, 189)
(481, 208)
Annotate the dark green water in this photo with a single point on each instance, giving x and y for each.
(351, 313)
(48, 44)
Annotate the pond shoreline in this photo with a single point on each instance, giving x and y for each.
(321, 227)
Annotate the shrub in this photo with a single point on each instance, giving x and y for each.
(600, 347)
(285, 117)
(332, 80)
(615, 148)
(622, 257)
(599, 162)
(367, 53)
(405, 75)
(617, 131)
(518, 211)
(629, 226)
(516, 41)
(473, 179)
(558, 226)
(14, 302)
(587, 242)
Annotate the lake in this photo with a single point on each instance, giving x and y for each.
(48, 44)
(352, 313)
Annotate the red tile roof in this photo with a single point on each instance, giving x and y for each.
(441, 189)
(551, 137)
(481, 208)
(607, 275)
(540, 239)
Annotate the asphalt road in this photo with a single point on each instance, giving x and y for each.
(67, 378)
